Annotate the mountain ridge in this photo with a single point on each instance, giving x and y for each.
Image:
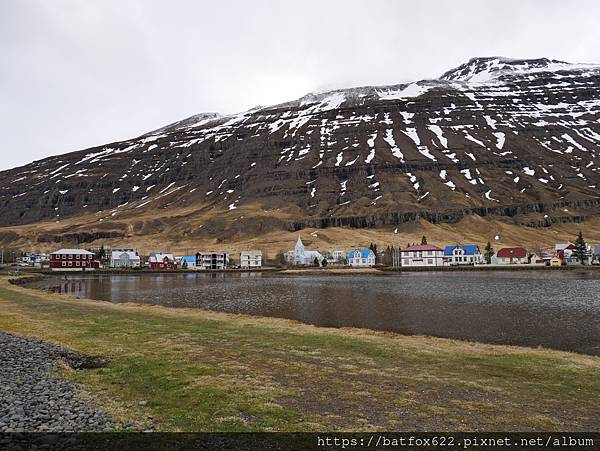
(508, 138)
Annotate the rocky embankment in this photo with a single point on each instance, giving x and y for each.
(33, 398)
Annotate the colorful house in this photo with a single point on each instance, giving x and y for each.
(510, 256)
(188, 262)
(73, 260)
(361, 258)
(212, 260)
(596, 256)
(160, 261)
(422, 255)
(463, 254)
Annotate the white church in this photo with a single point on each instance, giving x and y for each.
(301, 257)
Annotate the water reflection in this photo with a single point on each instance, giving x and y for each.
(553, 309)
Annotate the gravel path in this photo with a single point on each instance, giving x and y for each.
(33, 399)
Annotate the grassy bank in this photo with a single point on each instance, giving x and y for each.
(199, 370)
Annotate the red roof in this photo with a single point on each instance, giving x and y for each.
(508, 252)
(422, 247)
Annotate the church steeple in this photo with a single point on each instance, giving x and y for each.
(299, 246)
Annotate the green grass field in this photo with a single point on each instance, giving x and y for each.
(205, 371)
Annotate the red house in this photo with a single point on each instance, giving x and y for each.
(511, 256)
(73, 260)
(162, 262)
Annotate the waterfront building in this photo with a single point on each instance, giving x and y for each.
(335, 256)
(159, 260)
(361, 258)
(188, 262)
(301, 257)
(510, 256)
(596, 256)
(463, 254)
(212, 260)
(73, 260)
(540, 259)
(250, 259)
(422, 255)
(124, 258)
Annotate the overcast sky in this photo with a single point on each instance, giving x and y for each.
(80, 73)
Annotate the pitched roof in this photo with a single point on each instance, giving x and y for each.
(469, 249)
(508, 252)
(159, 257)
(597, 250)
(563, 246)
(188, 259)
(72, 251)
(364, 253)
(421, 247)
(117, 254)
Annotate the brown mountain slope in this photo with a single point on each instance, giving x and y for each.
(514, 142)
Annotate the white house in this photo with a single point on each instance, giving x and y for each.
(250, 259)
(124, 258)
(335, 256)
(422, 255)
(301, 257)
(361, 258)
(466, 254)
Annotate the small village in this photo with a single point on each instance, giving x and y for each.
(422, 255)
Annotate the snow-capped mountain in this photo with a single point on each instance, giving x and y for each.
(494, 136)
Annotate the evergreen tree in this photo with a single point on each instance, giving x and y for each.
(580, 251)
(316, 261)
(488, 252)
(424, 240)
(324, 262)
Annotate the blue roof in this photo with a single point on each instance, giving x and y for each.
(188, 259)
(364, 253)
(597, 250)
(470, 249)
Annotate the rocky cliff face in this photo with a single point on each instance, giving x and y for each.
(491, 137)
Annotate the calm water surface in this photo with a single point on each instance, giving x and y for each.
(554, 309)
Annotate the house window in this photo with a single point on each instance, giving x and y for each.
(430, 261)
(64, 263)
(70, 263)
(77, 263)
(78, 256)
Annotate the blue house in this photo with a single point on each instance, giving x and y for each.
(361, 258)
(463, 254)
(188, 262)
(596, 256)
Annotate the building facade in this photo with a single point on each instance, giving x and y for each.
(422, 255)
(250, 259)
(124, 258)
(464, 254)
(301, 257)
(188, 262)
(510, 256)
(361, 258)
(160, 261)
(73, 260)
(212, 260)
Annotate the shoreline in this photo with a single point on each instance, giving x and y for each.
(194, 370)
(24, 282)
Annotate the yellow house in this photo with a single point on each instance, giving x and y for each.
(556, 261)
